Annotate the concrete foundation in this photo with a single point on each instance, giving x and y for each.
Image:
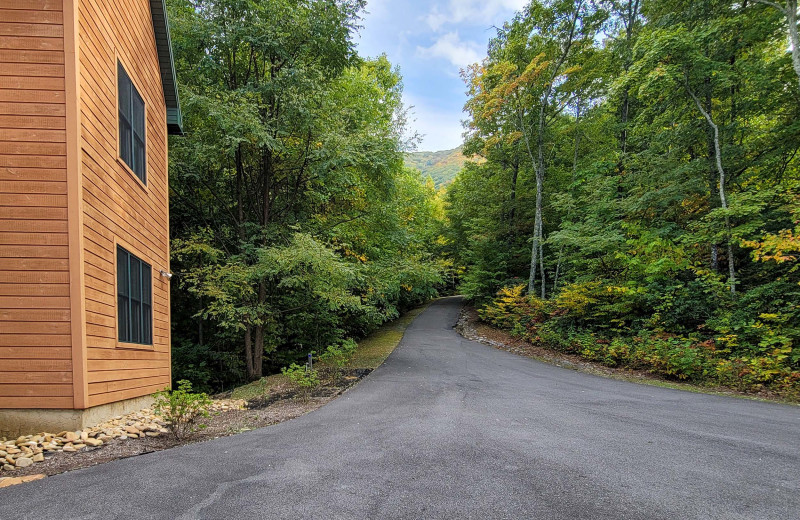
(16, 422)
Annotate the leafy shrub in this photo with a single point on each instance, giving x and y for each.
(182, 408)
(683, 307)
(599, 305)
(338, 356)
(768, 358)
(302, 377)
(512, 310)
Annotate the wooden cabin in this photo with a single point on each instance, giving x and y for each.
(87, 98)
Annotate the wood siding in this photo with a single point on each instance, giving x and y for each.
(35, 338)
(117, 207)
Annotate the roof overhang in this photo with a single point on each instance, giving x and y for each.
(169, 82)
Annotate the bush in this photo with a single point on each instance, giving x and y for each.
(302, 377)
(338, 356)
(599, 305)
(572, 324)
(512, 310)
(182, 408)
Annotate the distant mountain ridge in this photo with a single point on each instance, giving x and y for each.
(442, 166)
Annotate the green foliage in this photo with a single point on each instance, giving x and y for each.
(294, 222)
(617, 152)
(774, 366)
(182, 408)
(209, 365)
(442, 166)
(304, 378)
(338, 356)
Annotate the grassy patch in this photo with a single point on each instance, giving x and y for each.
(375, 348)
(260, 388)
(371, 352)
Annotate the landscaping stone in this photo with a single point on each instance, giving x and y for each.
(29, 449)
(11, 481)
(24, 462)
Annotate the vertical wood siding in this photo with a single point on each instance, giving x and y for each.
(35, 339)
(117, 207)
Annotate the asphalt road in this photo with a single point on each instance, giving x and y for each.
(449, 428)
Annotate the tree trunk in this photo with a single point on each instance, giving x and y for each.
(514, 176)
(537, 259)
(537, 250)
(267, 165)
(239, 192)
(794, 37)
(258, 351)
(722, 195)
(790, 12)
(632, 13)
(558, 269)
(575, 150)
(248, 352)
(713, 201)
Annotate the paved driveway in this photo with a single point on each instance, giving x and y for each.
(448, 428)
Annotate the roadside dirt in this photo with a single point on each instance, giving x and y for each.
(278, 407)
(471, 327)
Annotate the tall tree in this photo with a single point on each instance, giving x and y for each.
(295, 147)
(789, 10)
(528, 81)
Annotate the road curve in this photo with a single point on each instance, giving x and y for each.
(449, 428)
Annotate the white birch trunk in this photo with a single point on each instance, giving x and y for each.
(722, 197)
(790, 12)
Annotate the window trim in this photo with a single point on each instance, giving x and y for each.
(120, 62)
(142, 258)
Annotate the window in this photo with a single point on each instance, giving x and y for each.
(134, 299)
(131, 125)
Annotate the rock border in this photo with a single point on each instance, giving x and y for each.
(26, 450)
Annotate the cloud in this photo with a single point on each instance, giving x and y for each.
(476, 12)
(439, 127)
(450, 47)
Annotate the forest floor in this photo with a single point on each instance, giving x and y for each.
(473, 328)
(269, 401)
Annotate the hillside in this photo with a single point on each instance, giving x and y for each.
(442, 166)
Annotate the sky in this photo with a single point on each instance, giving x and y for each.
(431, 41)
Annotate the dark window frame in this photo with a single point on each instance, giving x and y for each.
(134, 299)
(131, 118)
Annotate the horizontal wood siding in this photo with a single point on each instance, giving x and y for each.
(35, 339)
(117, 207)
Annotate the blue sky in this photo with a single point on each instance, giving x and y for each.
(431, 41)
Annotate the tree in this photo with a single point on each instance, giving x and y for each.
(670, 178)
(293, 152)
(528, 80)
(790, 12)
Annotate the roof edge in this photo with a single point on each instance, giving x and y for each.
(169, 81)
